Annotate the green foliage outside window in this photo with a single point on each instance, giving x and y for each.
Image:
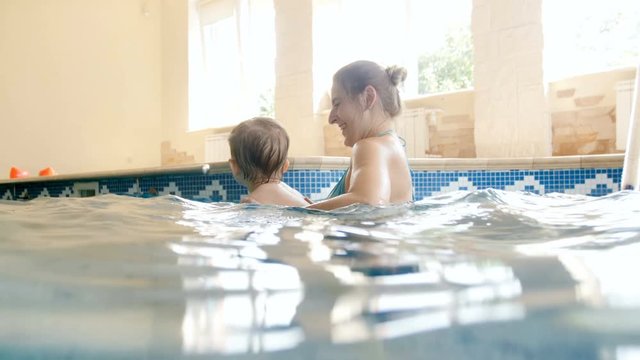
(450, 68)
(267, 103)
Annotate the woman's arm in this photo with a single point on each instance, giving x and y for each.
(369, 181)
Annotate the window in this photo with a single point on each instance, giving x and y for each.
(431, 39)
(585, 36)
(443, 45)
(235, 80)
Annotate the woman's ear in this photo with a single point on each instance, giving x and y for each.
(370, 97)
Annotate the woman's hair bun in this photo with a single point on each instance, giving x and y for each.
(397, 74)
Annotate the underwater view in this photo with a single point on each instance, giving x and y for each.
(483, 274)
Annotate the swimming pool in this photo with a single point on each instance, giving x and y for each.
(487, 274)
(594, 175)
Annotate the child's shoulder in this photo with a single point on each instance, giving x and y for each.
(278, 194)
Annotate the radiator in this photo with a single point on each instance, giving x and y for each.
(624, 99)
(413, 127)
(216, 148)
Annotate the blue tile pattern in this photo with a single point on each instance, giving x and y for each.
(316, 184)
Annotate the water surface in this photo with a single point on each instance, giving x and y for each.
(485, 274)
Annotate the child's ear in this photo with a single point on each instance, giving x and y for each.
(235, 170)
(285, 167)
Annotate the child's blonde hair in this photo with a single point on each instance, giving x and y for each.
(259, 146)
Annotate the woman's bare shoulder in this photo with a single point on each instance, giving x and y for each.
(373, 147)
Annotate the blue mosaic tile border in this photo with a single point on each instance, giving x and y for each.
(316, 184)
(594, 182)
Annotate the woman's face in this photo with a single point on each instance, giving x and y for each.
(346, 112)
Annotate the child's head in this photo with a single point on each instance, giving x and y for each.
(259, 149)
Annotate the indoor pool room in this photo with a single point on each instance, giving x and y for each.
(333, 179)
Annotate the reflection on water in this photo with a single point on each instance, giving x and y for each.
(241, 323)
(255, 303)
(627, 352)
(486, 274)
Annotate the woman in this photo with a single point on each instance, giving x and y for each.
(365, 100)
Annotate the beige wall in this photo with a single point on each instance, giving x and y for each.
(583, 112)
(80, 84)
(176, 137)
(451, 130)
(88, 85)
(509, 109)
(294, 77)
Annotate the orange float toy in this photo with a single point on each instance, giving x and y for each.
(48, 171)
(16, 173)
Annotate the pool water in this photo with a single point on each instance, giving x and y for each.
(485, 275)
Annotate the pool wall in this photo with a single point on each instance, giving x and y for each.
(593, 175)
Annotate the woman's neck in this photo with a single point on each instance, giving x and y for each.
(386, 127)
(380, 121)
